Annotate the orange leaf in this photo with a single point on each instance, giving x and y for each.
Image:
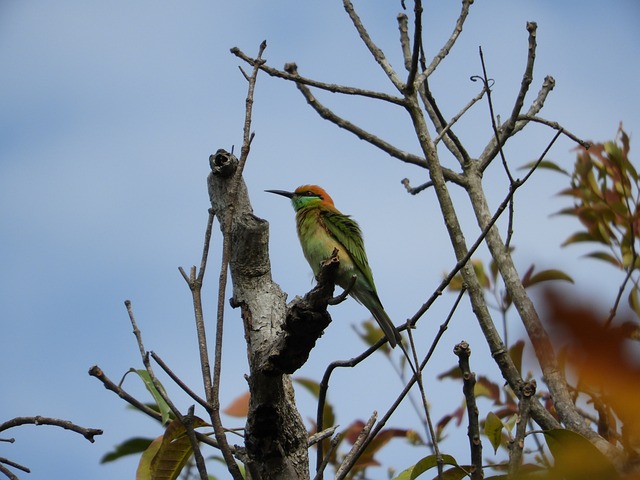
(239, 407)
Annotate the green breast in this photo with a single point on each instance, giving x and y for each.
(317, 243)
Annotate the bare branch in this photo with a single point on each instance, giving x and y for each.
(463, 352)
(492, 116)
(187, 421)
(491, 150)
(97, 372)
(9, 474)
(512, 125)
(318, 437)
(516, 446)
(377, 54)
(527, 78)
(13, 464)
(356, 450)
(335, 441)
(343, 296)
(88, 433)
(405, 42)
(213, 396)
(457, 116)
(555, 126)
(444, 51)
(417, 45)
(195, 284)
(327, 114)
(454, 145)
(179, 382)
(330, 87)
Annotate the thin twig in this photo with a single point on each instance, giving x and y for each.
(527, 78)
(446, 48)
(97, 372)
(8, 473)
(491, 150)
(333, 445)
(356, 450)
(405, 42)
(516, 446)
(13, 464)
(179, 382)
(492, 116)
(555, 126)
(377, 54)
(324, 383)
(328, 114)
(406, 157)
(457, 116)
(343, 296)
(88, 433)
(383, 421)
(318, 437)
(194, 281)
(425, 404)
(535, 406)
(451, 140)
(512, 190)
(187, 422)
(463, 352)
(329, 87)
(417, 42)
(222, 277)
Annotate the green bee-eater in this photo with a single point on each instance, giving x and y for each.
(321, 229)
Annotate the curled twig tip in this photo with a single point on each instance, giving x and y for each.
(488, 83)
(342, 297)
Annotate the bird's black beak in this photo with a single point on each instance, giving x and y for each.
(282, 192)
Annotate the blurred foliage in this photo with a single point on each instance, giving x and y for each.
(599, 357)
(605, 189)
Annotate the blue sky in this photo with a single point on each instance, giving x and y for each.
(108, 114)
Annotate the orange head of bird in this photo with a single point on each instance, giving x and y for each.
(305, 196)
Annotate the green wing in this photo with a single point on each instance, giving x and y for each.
(348, 233)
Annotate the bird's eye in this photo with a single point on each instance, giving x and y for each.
(309, 193)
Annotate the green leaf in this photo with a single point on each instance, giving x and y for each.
(454, 373)
(371, 334)
(455, 473)
(634, 302)
(515, 352)
(144, 465)
(546, 275)
(311, 386)
(545, 164)
(164, 460)
(576, 458)
(493, 430)
(579, 237)
(128, 447)
(163, 407)
(605, 257)
(423, 465)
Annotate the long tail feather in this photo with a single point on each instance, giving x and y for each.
(375, 307)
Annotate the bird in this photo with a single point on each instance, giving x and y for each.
(321, 229)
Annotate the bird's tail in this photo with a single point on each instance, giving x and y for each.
(377, 310)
